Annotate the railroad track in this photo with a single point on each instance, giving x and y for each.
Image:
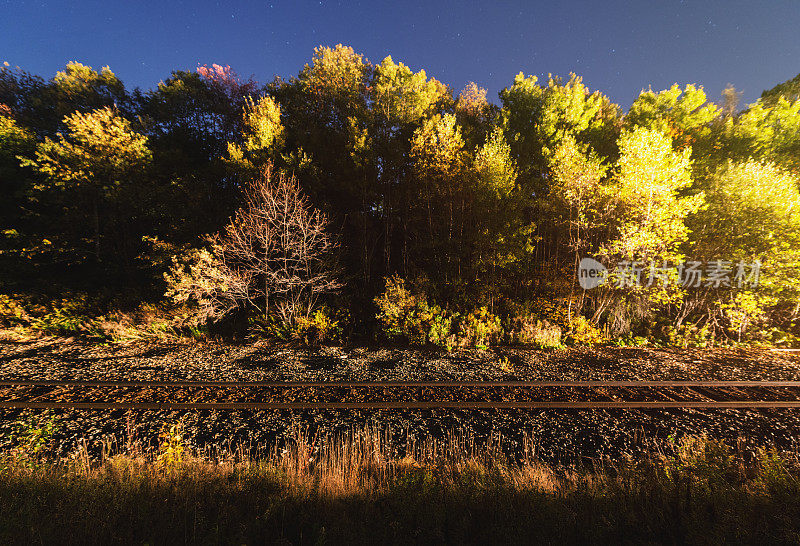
(126, 395)
(384, 384)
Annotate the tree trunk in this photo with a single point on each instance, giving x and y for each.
(96, 214)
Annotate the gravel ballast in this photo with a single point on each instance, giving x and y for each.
(557, 436)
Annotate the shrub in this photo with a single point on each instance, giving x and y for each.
(582, 332)
(12, 312)
(530, 330)
(172, 448)
(746, 316)
(317, 328)
(395, 305)
(146, 322)
(774, 475)
(66, 319)
(479, 329)
(706, 460)
(31, 440)
(690, 335)
(199, 281)
(440, 332)
(558, 325)
(408, 316)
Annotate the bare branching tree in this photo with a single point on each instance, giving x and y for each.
(275, 256)
(278, 245)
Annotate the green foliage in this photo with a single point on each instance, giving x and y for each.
(98, 160)
(31, 440)
(318, 328)
(437, 148)
(407, 316)
(394, 305)
(496, 170)
(583, 332)
(172, 447)
(774, 475)
(752, 211)
(690, 335)
(12, 312)
(650, 212)
(491, 205)
(708, 461)
(768, 133)
(403, 96)
(480, 328)
(577, 192)
(197, 279)
(100, 150)
(746, 315)
(262, 135)
(550, 323)
(68, 318)
(789, 90)
(79, 87)
(531, 330)
(752, 216)
(15, 140)
(536, 119)
(441, 328)
(336, 74)
(684, 116)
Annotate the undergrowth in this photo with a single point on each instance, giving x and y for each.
(355, 487)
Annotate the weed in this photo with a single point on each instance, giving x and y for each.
(31, 440)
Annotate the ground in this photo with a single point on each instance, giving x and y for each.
(555, 436)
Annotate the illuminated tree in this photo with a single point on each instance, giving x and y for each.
(100, 154)
(650, 213)
(682, 115)
(262, 135)
(274, 257)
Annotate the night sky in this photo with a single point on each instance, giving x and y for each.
(618, 47)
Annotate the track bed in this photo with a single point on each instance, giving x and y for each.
(571, 404)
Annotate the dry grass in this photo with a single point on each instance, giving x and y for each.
(358, 488)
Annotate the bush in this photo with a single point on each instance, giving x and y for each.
(198, 281)
(690, 335)
(582, 332)
(558, 324)
(530, 330)
(706, 460)
(440, 332)
(407, 316)
(479, 329)
(317, 328)
(31, 440)
(395, 305)
(747, 317)
(66, 319)
(12, 312)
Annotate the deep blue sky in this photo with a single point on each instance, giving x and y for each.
(619, 47)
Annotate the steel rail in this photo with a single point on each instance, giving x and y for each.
(482, 405)
(391, 384)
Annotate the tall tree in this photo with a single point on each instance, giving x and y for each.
(650, 211)
(684, 115)
(262, 136)
(99, 155)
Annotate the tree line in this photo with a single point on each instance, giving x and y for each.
(448, 215)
